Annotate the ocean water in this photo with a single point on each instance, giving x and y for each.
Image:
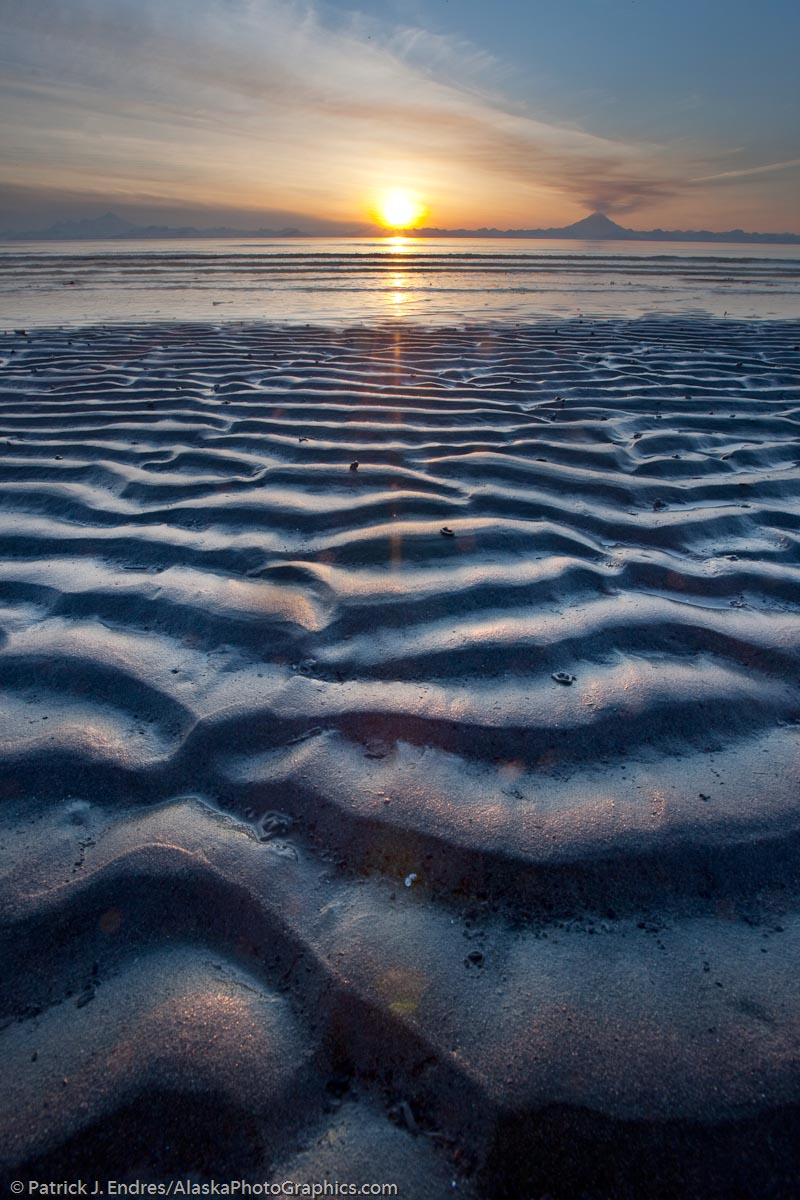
(367, 280)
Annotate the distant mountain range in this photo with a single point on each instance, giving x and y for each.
(597, 227)
(110, 226)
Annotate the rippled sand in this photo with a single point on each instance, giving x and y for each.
(309, 862)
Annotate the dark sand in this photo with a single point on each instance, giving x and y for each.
(310, 868)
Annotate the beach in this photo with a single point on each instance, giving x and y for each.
(400, 725)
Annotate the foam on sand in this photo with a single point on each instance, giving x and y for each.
(305, 842)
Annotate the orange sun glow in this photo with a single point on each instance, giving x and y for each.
(399, 209)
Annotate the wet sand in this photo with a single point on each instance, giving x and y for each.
(334, 845)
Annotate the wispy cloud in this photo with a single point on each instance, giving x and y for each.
(741, 172)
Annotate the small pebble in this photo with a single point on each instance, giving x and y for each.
(564, 677)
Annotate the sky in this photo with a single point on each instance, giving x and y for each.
(506, 113)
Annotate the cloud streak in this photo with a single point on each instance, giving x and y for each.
(741, 172)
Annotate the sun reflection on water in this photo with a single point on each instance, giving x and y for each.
(399, 282)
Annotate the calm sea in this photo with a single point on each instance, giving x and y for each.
(347, 280)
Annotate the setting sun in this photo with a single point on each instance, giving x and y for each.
(400, 209)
